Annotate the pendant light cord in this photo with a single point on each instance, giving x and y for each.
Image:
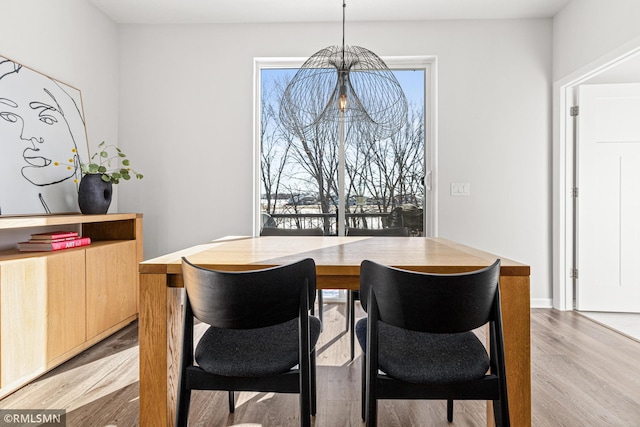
(344, 8)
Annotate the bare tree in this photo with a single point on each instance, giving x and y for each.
(316, 156)
(390, 171)
(274, 152)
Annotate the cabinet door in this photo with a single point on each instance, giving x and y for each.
(42, 312)
(66, 305)
(112, 292)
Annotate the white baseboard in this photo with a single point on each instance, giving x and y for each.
(541, 303)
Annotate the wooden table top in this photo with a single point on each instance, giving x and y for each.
(334, 256)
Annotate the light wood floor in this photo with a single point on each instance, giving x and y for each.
(583, 374)
(625, 323)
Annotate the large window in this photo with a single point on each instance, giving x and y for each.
(386, 180)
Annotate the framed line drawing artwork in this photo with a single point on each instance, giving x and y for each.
(43, 138)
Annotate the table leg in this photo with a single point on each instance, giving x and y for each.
(174, 348)
(516, 324)
(152, 337)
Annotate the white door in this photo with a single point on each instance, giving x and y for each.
(608, 257)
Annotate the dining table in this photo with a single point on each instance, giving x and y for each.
(337, 262)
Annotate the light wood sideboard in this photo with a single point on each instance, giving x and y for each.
(54, 305)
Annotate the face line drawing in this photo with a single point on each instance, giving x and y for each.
(41, 122)
(33, 130)
(34, 160)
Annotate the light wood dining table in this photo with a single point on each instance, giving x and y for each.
(338, 267)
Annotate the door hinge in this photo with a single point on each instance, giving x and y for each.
(574, 192)
(574, 111)
(573, 273)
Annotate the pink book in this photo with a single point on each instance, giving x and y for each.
(54, 246)
(55, 235)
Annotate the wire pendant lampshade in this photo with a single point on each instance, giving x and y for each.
(344, 83)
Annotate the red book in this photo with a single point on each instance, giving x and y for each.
(52, 240)
(54, 246)
(55, 235)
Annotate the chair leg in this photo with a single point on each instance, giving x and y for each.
(182, 410)
(352, 321)
(306, 394)
(347, 313)
(501, 406)
(320, 306)
(372, 403)
(305, 413)
(501, 414)
(313, 383)
(232, 401)
(363, 395)
(450, 410)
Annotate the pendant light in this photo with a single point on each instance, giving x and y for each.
(344, 83)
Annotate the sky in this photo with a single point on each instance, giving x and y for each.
(411, 81)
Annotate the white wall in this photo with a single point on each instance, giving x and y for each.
(71, 41)
(586, 30)
(186, 119)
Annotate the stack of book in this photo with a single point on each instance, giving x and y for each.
(54, 241)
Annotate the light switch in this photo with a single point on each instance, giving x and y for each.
(460, 188)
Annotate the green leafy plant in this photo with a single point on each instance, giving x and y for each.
(111, 163)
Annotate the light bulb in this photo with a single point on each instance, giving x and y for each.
(342, 102)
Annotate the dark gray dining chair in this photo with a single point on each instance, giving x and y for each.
(260, 335)
(418, 338)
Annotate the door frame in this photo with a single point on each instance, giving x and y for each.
(564, 168)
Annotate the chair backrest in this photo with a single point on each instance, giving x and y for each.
(393, 231)
(249, 299)
(436, 303)
(268, 231)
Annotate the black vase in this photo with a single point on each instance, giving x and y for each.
(94, 194)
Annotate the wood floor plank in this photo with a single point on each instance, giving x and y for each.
(583, 374)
